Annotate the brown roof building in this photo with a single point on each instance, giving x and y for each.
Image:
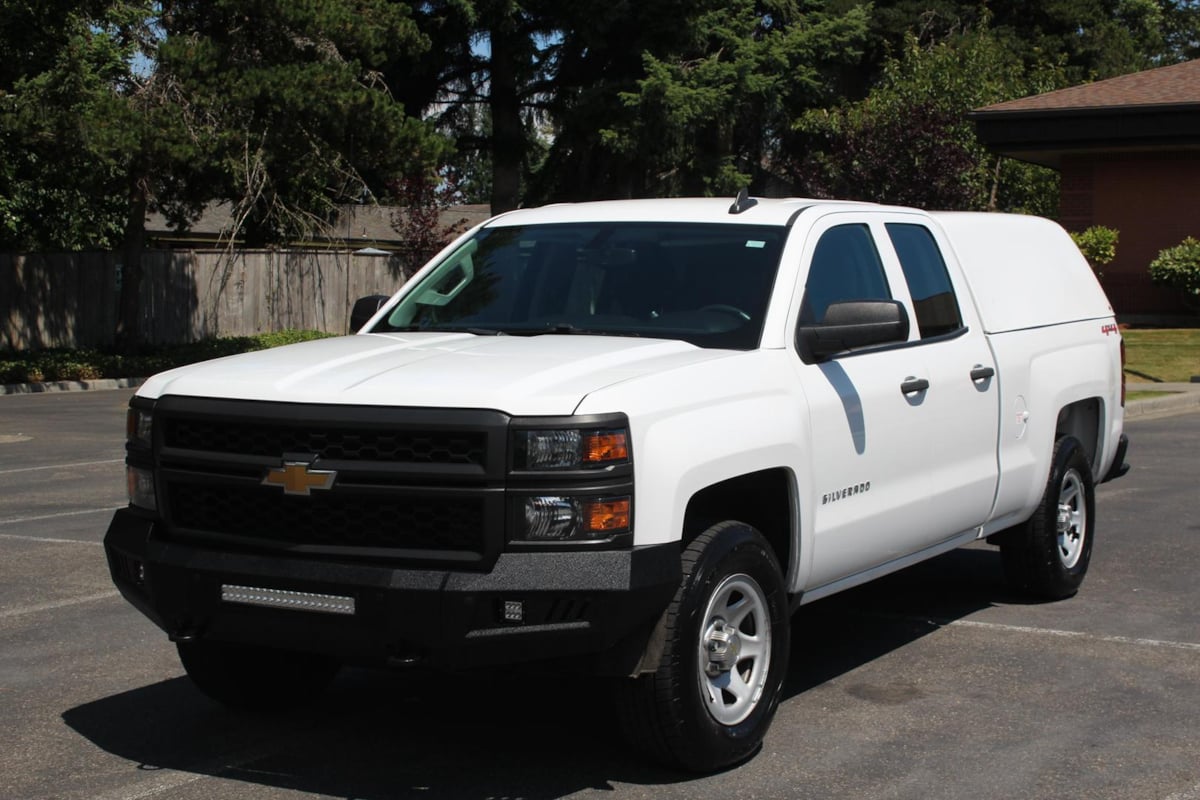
(1128, 149)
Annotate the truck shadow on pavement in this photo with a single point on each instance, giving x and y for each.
(834, 636)
(398, 735)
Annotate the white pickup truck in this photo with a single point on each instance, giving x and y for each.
(628, 438)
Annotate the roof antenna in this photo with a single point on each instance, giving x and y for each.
(742, 202)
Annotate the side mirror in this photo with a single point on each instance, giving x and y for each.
(365, 308)
(851, 325)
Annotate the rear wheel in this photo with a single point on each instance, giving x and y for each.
(1048, 556)
(253, 678)
(718, 682)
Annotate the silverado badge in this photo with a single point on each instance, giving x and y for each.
(296, 477)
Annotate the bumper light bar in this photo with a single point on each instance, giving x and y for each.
(291, 601)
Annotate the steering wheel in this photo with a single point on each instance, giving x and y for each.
(727, 309)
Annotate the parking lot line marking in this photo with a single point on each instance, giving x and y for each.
(16, 520)
(57, 604)
(1000, 626)
(1187, 794)
(169, 778)
(1099, 637)
(161, 783)
(62, 466)
(50, 539)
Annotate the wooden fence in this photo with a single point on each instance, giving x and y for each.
(70, 299)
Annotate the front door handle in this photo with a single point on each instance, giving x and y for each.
(914, 385)
(981, 373)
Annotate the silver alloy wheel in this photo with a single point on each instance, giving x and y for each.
(1072, 519)
(734, 649)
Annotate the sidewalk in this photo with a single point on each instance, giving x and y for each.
(71, 386)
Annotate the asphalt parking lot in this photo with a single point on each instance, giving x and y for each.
(933, 683)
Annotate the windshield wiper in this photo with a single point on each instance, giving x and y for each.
(448, 329)
(567, 329)
(553, 328)
(558, 327)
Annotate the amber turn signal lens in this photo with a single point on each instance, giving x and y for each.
(600, 447)
(608, 515)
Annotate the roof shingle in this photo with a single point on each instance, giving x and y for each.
(1178, 84)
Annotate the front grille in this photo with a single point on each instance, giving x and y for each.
(334, 520)
(330, 442)
(419, 486)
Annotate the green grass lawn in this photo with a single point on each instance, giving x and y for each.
(1162, 355)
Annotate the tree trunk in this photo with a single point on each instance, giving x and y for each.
(992, 195)
(508, 138)
(128, 331)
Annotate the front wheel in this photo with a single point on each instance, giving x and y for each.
(718, 682)
(1048, 556)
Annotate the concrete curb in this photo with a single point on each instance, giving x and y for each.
(71, 386)
(1180, 401)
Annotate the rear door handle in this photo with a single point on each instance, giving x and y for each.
(914, 385)
(981, 373)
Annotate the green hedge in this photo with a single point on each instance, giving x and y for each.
(1179, 266)
(81, 365)
(1098, 245)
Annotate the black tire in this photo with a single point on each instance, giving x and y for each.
(250, 678)
(675, 715)
(1048, 556)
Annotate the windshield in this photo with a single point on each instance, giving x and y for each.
(707, 284)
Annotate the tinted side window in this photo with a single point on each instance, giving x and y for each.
(934, 302)
(845, 266)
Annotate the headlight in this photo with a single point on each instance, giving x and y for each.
(139, 480)
(559, 518)
(140, 483)
(138, 427)
(570, 448)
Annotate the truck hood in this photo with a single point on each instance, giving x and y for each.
(548, 374)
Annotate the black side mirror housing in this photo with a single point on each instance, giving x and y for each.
(851, 325)
(364, 308)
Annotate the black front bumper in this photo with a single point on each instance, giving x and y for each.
(603, 604)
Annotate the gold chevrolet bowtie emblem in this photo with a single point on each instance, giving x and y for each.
(295, 477)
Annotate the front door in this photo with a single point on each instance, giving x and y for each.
(869, 447)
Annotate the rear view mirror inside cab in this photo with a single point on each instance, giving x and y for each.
(438, 289)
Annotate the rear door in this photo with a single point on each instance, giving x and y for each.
(959, 412)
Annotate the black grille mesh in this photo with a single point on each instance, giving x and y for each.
(352, 444)
(333, 520)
